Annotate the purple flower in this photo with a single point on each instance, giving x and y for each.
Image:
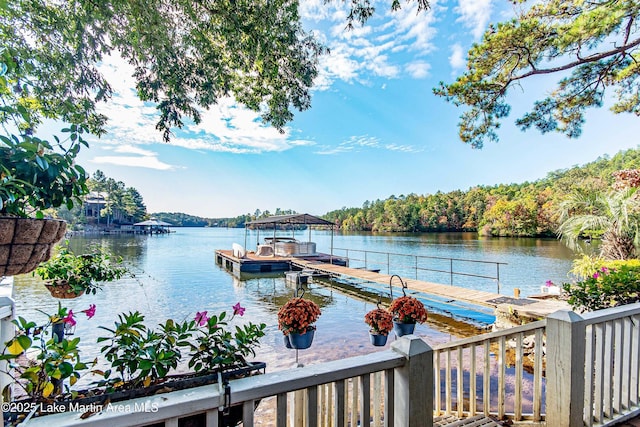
(596, 275)
(201, 318)
(238, 310)
(548, 283)
(91, 311)
(605, 270)
(69, 319)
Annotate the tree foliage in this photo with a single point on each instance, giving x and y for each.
(593, 45)
(186, 55)
(525, 209)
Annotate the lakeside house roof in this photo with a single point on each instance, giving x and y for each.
(290, 219)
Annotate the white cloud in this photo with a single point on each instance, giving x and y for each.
(149, 162)
(474, 14)
(358, 143)
(381, 48)
(457, 59)
(226, 126)
(418, 69)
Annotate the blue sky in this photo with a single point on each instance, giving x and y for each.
(374, 129)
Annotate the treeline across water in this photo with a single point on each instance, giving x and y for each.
(527, 209)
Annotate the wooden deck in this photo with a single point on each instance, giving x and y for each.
(524, 306)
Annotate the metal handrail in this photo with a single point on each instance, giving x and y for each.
(417, 268)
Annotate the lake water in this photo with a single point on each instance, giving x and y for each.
(176, 276)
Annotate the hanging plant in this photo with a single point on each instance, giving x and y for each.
(295, 320)
(381, 322)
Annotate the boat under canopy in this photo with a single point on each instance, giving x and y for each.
(286, 246)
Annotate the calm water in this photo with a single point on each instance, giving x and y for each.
(176, 276)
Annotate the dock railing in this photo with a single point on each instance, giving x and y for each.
(565, 371)
(418, 266)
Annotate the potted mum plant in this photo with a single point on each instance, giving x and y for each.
(380, 322)
(296, 319)
(67, 275)
(407, 311)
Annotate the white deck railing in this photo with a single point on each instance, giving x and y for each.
(612, 380)
(499, 373)
(317, 395)
(504, 373)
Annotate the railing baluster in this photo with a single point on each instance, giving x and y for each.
(354, 402)
(635, 360)
(447, 385)
(617, 366)
(537, 376)
(486, 379)
(502, 356)
(598, 410)
(377, 399)
(608, 370)
(311, 407)
(459, 384)
(211, 418)
(281, 410)
(247, 413)
(518, 385)
(473, 395)
(339, 403)
(437, 398)
(626, 364)
(389, 392)
(589, 373)
(365, 399)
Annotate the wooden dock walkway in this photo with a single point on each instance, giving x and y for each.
(528, 307)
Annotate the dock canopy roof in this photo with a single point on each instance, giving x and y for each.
(290, 219)
(153, 222)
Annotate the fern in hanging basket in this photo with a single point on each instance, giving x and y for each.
(298, 316)
(72, 275)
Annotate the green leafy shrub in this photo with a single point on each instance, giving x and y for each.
(607, 287)
(81, 273)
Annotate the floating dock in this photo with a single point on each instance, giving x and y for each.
(510, 310)
(251, 263)
(520, 307)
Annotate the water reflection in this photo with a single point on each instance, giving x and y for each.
(176, 276)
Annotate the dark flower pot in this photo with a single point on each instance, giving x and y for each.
(402, 329)
(287, 343)
(378, 340)
(301, 341)
(57, 330)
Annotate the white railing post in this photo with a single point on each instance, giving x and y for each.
(413, 383)
(565, 369)
(7, 330)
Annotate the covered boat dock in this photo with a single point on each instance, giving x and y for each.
(276, 252)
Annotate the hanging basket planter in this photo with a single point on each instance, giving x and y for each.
(61, 289)
(26, 242)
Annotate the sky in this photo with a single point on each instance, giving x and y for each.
(374, 129)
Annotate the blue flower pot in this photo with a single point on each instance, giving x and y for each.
(402, 329)
(378, 340)
(287, 343)
(301, 341)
